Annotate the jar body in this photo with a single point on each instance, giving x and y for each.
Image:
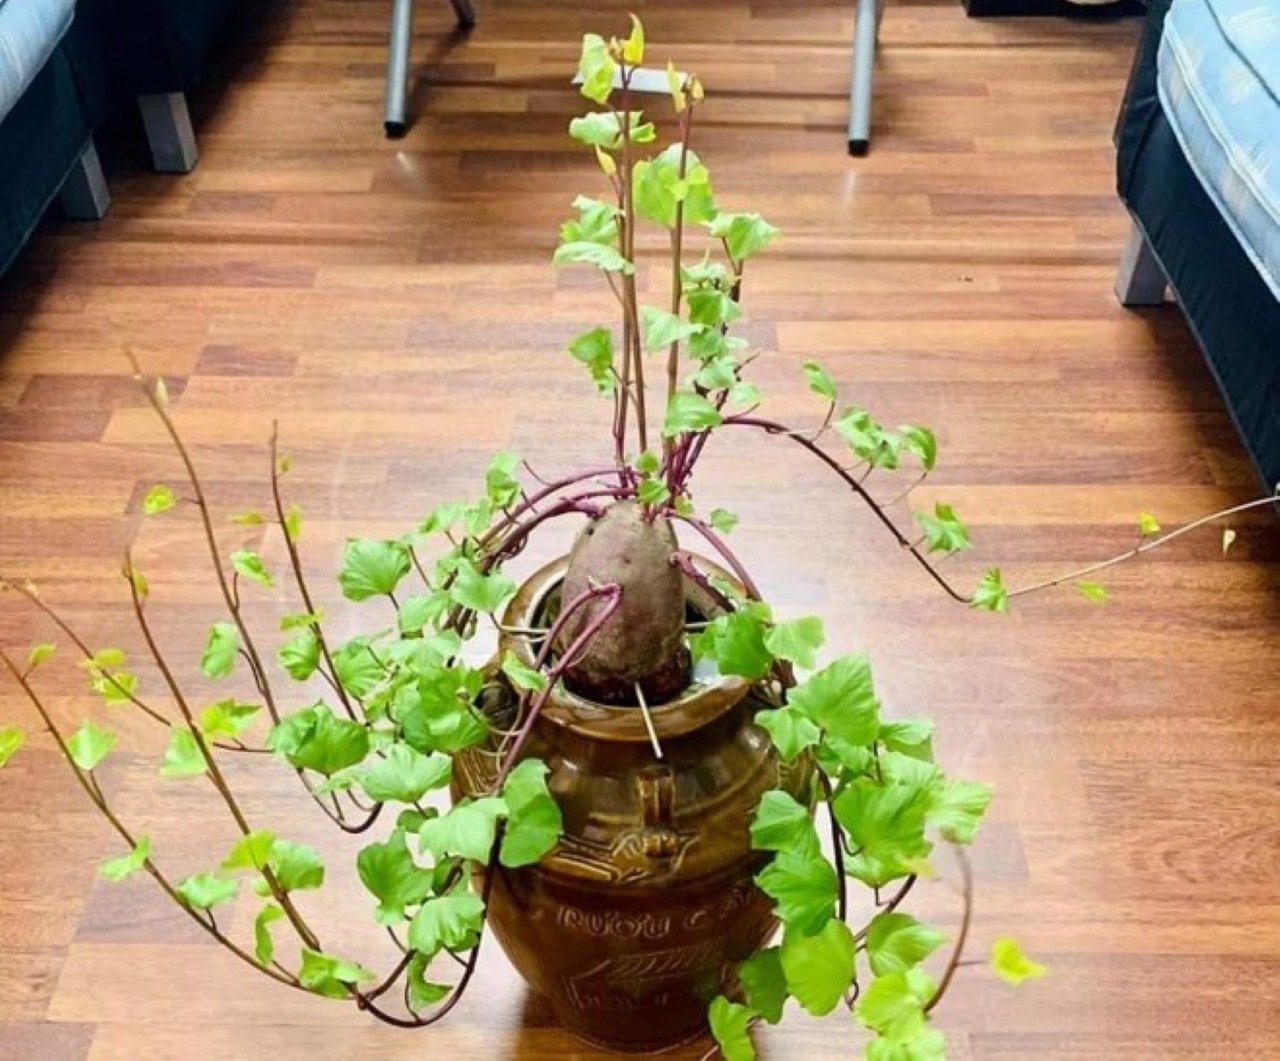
(629, 925)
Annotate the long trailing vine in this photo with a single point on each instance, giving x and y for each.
(402, 701)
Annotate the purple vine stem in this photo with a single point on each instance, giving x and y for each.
(771, 427)
(611, 594)
(722, 547)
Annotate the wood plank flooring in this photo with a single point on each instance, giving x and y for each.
(392, 304)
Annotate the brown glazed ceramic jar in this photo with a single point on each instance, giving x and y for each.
(628, 925)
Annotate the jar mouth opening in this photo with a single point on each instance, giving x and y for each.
(708, 694)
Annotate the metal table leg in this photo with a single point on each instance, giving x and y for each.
(866, 30)
(398, 67)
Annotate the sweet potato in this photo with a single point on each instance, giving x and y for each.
(643, 642)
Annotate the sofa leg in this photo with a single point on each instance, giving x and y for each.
(168, 124)
(1139, 281)
(84, 193)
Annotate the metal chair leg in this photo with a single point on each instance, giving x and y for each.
(465, 12)
(866, 30)
(398, 55)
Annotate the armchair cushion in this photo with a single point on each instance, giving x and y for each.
(1219, 82)
(29, 32)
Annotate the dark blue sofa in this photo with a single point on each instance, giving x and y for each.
(1181, 237)
(113, 53)
(46, 125)
(152, 51)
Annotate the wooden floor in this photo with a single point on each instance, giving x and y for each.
(392, 304)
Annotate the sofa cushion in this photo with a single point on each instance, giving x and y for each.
(1219, 82)
(29, 31)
